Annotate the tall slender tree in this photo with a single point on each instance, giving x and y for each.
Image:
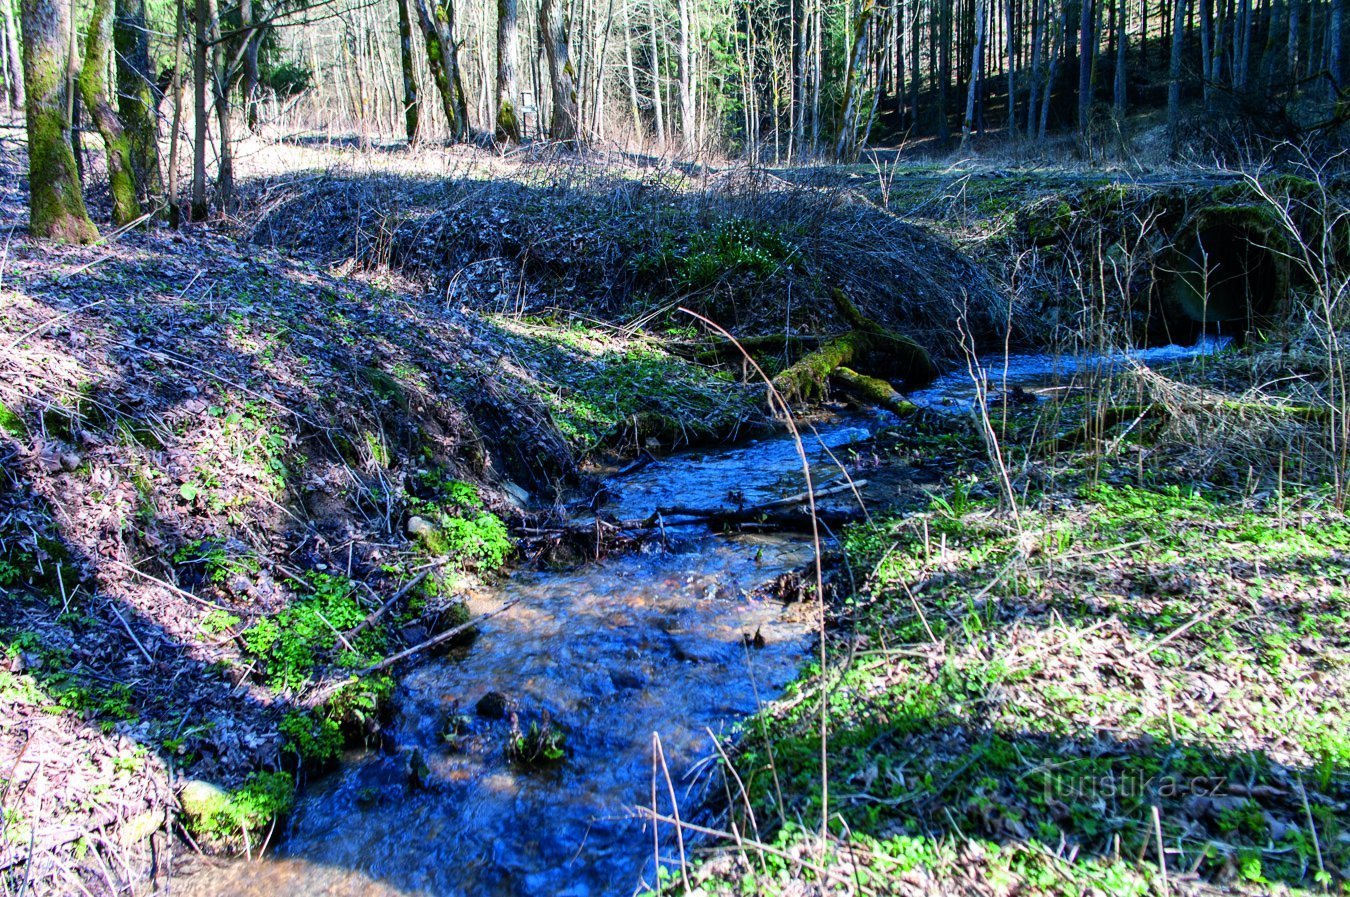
(13, 56)
(411, 110)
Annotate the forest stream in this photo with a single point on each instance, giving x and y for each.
(660, 640)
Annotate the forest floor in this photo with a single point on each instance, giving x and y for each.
(1112, 662)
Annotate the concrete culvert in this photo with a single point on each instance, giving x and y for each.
(1228, 267)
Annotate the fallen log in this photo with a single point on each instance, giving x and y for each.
(868, 346)
(874, 392)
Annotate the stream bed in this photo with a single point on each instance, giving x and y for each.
(660, 640)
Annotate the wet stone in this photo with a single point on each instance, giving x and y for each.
(493, 705)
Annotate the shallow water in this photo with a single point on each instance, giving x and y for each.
(652, 642)
(956, 390)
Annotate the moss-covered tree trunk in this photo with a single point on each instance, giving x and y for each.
(97, 99)
(508, 64)
(137, 98)
(443, 60)
(553, 28)
(410, 104)
(56, 205)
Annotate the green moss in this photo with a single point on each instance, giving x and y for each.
(11, 423)
(227, 816)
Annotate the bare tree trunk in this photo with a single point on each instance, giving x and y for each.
(846, 147)
(1087, 45)
(405, 55)
(1012, 69)
(508, 64)
(658, 106)
(1291, 49)
(553, 28)
(14, 74)
(967, 122)
(1121, 86)
(94, 92)
(684, 75)
(944, 78)
(55, 203)
(630, 72)
(1055, 53)
(176, 123)
(1038, 14)
(252, 38)
(220, 86)
(199, 209)
(1335, 43)
(1174, 75)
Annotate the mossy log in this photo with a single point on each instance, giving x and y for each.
(874, 392)
(868, 347)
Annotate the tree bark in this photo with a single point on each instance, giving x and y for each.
(220, 89)
(410, 103)
(14, 75)
(553, 28)
(968, 120)
(685, 77)
(846, 147)
(508, 64)
(199, 209)
(1174, 75)
(56, 205)
(137, 97)
(94, 92)
(252, 38)
(443, 60)
(1087, 46)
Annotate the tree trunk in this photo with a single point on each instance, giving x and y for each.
(14, 75)
(1038, 18)
(972, 88)
(658, 106)
(508, 64)
(685, 77)
(137, 97)
(443, 60)
(553, 28)
(252, 38)
(199, 209)
(846, 147)
(56, 206)
(630, 71)
(1010, 40)
(175, 126)
(94, 92)
(1335, 44)
(220, 89)
(1119, 98)
(405, 54)
(944, 79)
(1087, 47)
(1174, 75)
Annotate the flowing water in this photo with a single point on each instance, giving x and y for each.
(658, 641)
